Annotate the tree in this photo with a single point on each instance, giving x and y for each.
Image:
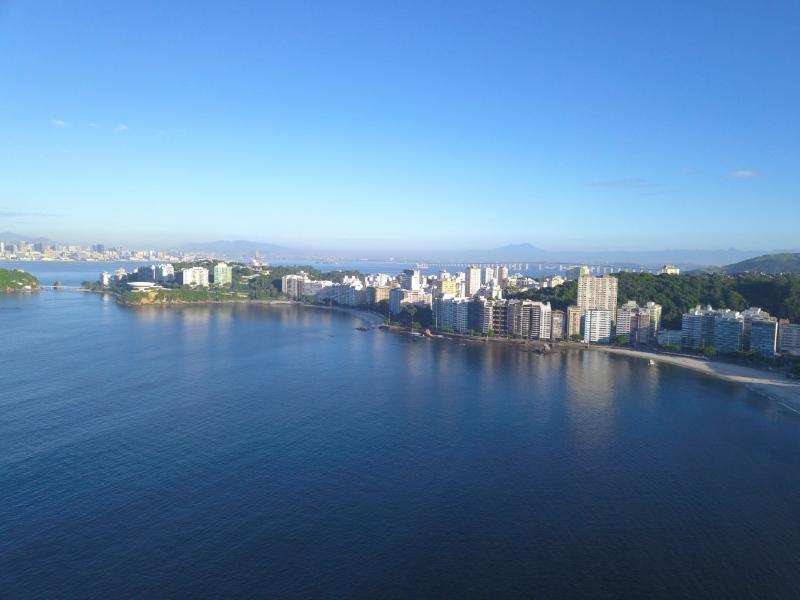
(710, 351)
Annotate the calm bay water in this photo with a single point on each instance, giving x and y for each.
(279, 452)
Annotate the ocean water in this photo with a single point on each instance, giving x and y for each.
(279, 452)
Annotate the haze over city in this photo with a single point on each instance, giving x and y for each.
(436, 125)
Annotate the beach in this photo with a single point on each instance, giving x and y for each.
(775, 385)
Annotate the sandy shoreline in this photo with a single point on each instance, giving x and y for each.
(775, 385)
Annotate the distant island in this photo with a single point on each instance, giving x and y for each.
(16, 280)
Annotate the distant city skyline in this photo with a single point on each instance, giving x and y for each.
(422, 125)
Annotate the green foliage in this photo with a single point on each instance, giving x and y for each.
(777, 294)
(575, 337)
(15, 279)
(710, 351)
(419, 315)
(560, 297)
(620, 340)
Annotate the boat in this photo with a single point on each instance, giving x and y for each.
(651, 362)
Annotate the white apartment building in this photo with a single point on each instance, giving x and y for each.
(597, 293)
(597, 326)
(473, 280)
(194, 276)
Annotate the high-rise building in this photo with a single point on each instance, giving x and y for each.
(165, 272)
(292, 285)
(194, 276)
(764, 336)
(223, 274)
(634, 322)
(487, 275)
(557, 325)
(473, 280)
(447, 285)
(728, 331)
(670, 270)
(574, 321)
(377, 293)
(574, 273)
(697, 327)
(502, 275)
(598, 292)
(597, 326)
(654, 310)
(518, 318)
(451, 314)
(789, 338)
(410, 279)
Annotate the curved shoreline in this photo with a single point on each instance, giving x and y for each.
(776, 386)
(773, 385)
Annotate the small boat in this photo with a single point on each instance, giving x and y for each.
(651, 362)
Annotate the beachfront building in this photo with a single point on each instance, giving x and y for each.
(574, 321)
(764, 337)
(598, 293)
(697, 327)
(634, 322)
(451, 313)
(728, 331)
(558, 320)
(597, 326)
(292, 285)
(669, 337)
(789, 338)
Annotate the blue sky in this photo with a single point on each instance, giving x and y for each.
(580, 125)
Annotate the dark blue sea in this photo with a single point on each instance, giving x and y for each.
(279, 452)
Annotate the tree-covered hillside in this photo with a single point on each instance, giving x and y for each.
(15, 280)
(768, 263)
(777, 294)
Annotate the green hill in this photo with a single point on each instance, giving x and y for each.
(14, 280)
(768, 263)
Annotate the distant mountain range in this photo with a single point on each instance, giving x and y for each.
(15, 238)
(787, 262)
(681, 257)
(237, 248)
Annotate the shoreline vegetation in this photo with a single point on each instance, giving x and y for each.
(16, 280)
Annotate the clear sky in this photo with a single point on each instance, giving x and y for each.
(582, 125)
